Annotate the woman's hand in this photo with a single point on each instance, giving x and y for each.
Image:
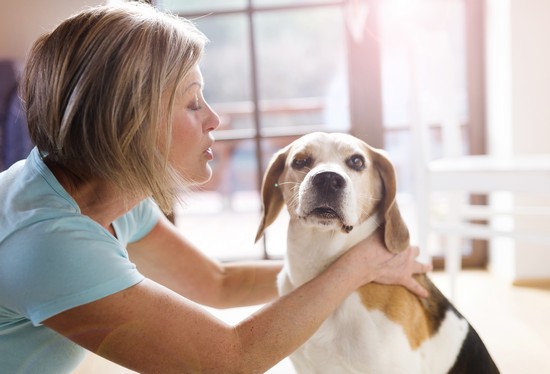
(385, 267)
(398, 269)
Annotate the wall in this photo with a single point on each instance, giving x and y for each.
(531, 75)
(23, 21)
(518, 112)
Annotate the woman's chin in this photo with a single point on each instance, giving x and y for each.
(199, 180)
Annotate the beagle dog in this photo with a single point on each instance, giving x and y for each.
(338, 190)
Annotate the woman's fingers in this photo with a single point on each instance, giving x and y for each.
(417, 289)
(420, 268)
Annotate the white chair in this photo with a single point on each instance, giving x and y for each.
(510, 178)
(445, 185)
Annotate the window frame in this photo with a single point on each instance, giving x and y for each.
(365, 85)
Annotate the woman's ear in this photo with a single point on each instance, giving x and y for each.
(272, 197)
(396, 233)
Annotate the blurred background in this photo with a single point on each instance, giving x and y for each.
(278, 69)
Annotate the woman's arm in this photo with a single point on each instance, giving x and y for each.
(168, 258)
(149, 328)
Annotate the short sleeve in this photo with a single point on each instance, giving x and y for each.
(60, 264)
(138, 222)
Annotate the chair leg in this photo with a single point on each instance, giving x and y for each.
(453, 263)
(453, 254)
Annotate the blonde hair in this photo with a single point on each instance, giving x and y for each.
(99, 91)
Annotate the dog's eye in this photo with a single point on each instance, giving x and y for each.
(356, 162)
(300, 163)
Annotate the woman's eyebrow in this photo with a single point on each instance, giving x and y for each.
(200, 84)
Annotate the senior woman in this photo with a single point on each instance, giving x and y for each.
(88, 261)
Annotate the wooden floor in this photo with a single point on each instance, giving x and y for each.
(514, 323)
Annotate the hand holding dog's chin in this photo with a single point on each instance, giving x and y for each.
(384, 267)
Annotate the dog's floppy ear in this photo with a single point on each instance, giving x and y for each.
(272, 197)
(396, 233)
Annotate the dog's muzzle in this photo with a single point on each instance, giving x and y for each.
(328, 190)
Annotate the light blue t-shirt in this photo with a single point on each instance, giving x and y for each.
(53, 258)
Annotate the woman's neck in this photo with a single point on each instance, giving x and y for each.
(98, 199)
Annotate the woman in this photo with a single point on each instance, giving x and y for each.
(115, 108)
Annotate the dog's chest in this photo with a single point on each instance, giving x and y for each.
(355, 339)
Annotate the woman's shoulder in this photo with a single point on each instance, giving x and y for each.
(139, 221)
(32, 197)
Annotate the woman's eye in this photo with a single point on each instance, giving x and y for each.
(356, 162)
(196, 104)
(300, 163)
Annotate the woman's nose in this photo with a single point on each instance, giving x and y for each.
(212, 121)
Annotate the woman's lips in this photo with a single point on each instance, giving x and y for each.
(209, 154)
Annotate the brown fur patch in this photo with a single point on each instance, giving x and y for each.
(420, 319)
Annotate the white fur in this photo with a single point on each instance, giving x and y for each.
(354, 339)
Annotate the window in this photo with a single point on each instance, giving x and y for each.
(276, 69)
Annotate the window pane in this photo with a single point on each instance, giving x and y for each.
(235, 167)
(432, 33)
(426, 40)
(188, 6)
(226, 63)
(226, 70)
(302, 68)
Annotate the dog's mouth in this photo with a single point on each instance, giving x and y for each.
(325, 212)
(328, 214)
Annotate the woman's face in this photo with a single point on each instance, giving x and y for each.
(192, 122)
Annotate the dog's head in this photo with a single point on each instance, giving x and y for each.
(333, 182)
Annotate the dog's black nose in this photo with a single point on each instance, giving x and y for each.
(329, 182)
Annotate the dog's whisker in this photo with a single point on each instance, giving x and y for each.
(368, 197)
(282, 183)
(294, 198)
